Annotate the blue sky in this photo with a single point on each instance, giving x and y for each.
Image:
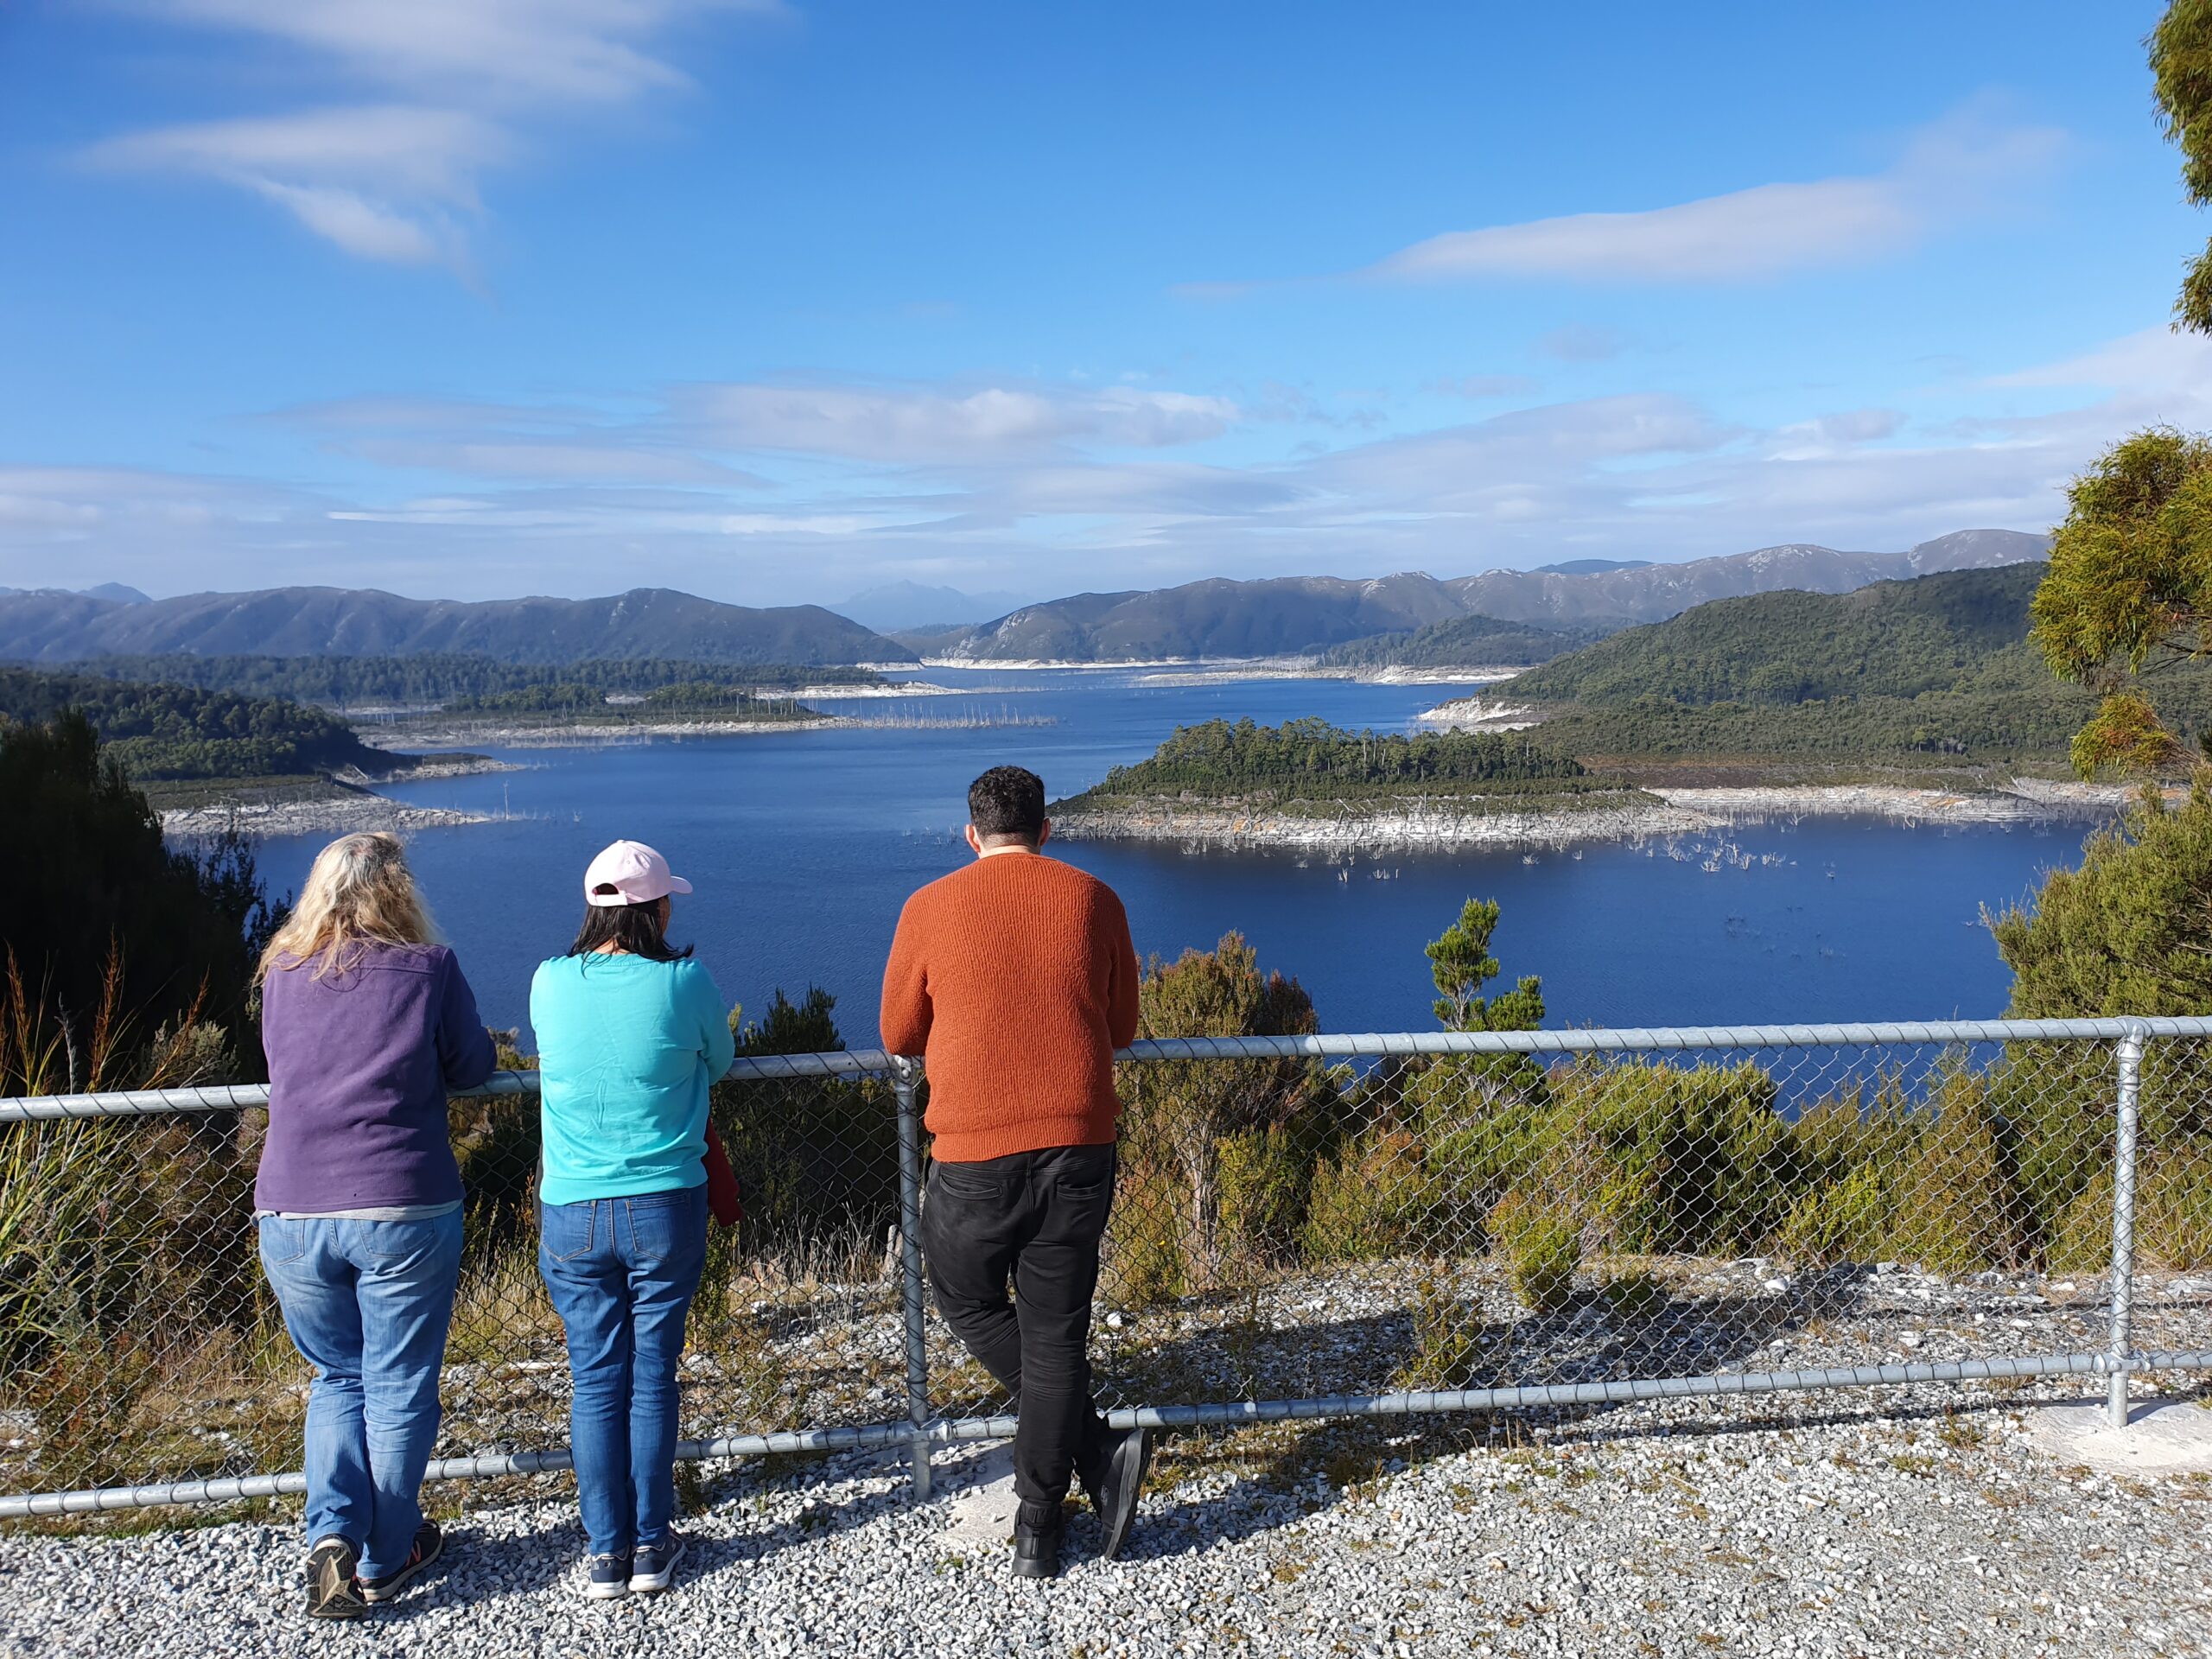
(775, 302)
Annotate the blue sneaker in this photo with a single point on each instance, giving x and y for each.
(653, 1568)
(609, 1578)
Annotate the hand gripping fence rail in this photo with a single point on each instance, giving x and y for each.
(1635, 1222)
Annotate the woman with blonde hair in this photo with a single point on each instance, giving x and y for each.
(368, 1025)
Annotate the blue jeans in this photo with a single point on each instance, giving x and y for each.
(367, 1304)
(622, 1272)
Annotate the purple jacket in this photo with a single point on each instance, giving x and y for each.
(360, 1064)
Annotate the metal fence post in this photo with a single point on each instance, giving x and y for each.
(2129, 1053)
(908, 1073)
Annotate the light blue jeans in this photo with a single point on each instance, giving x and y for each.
(622, 1272)
(367, 1304)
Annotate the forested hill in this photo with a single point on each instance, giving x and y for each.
(167, 732)
(1893, 640)
(438, 677)
(56, 627)
(1936, 672)
(1463, 642)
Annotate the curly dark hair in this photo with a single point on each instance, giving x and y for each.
(1007, 801)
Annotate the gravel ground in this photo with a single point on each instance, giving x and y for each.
(1922, 1521)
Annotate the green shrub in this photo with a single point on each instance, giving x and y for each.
(1267, 1182)
(1377, 1198)
(1542, 1244)
(1957, 1203)
(1692, 1161)
(1143, 1261)
(1850, 1220)
(2173, 1216)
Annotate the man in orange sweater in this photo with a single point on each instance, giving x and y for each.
(1016, 979)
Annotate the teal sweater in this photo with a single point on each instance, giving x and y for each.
(625, 1049)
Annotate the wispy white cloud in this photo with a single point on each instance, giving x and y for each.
(1766, 231)
(905, 423)
(1850, 426)
(397, 181)
(2159, 358)
(805, 490)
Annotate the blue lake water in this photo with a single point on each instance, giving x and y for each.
(802, 845)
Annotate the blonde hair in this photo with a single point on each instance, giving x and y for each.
(361, 892)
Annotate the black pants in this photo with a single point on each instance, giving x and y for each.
(1034, 1218)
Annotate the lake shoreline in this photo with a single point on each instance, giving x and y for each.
(1658, 812)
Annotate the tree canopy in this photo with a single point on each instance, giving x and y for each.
(101, 893)
(179, 732)
(2181, 69)
(2128, 593)
(2129, 932)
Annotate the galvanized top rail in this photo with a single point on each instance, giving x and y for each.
(1335, 1047)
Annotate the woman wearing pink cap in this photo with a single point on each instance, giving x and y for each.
(629, 1035)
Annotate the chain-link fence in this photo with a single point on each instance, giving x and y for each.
(1303, 1227)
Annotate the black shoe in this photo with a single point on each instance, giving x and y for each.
(1036, 1542)
(429, 1544)
(333, 1591)
(652, 1568)
(1119, 1484)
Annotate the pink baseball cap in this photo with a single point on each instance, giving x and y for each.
(636, 872)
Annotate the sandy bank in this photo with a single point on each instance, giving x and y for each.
(331, 815)
(585, 735)
(1406, 826)
(1477, 715)
(1630, 816)
(2025, 800)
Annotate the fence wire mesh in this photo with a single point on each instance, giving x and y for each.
(139, 1342)
(1287, 1227)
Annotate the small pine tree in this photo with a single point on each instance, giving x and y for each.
(1461, 964)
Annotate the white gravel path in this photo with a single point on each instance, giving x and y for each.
(1856, 1527)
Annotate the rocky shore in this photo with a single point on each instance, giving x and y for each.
(1632, 815)
(1406, 825)
(332, 815)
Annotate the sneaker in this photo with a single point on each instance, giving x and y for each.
(429, 1544)
(1119, 1484)
(653, 1568)
(609, 1578)
(333, 1591)
(1036, 1542)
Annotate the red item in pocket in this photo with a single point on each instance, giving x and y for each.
(725, 1198)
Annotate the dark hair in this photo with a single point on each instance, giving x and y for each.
(1007, 801)
(634, 928)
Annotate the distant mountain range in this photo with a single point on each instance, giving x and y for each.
(52, 627)
(114, 590)
(1283, 617)
(910, 605)
(1289, 616)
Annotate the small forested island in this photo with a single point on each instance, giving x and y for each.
(1307, 782)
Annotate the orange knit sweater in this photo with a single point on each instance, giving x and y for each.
(1016, 979)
